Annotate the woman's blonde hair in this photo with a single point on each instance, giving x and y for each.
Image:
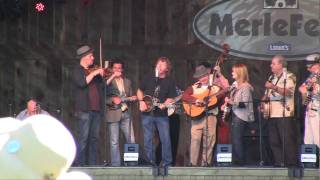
(242, 72)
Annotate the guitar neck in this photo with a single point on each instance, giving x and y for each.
(127, 99)
(166, 105)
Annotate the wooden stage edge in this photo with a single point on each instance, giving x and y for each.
(203, 173)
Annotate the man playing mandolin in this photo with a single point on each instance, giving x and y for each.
(118, 95)
(203, 126)
(161, 88)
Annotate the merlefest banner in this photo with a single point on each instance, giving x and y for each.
(260, 29)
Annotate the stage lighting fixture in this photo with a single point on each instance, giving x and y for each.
(40, 7)
(131, 154)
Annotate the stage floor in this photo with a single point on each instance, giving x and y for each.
(199, 173)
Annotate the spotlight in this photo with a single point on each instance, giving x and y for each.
(40, 7)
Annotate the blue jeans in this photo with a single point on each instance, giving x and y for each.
(124, 125)
(162, 124)
(237, 132)
(88, 134)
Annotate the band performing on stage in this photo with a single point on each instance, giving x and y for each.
(174, 89)
(209, 99)
(205, 102)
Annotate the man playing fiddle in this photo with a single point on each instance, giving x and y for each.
(87, 92)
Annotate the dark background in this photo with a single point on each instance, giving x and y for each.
(37, 53)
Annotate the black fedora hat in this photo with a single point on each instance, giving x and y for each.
(83, 51)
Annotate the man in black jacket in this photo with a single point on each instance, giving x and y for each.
(87, 90)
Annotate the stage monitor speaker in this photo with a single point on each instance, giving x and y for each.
(131, 154)
(224, 154)
(309, 156)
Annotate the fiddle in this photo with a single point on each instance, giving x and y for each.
(107, 72)
(91, 69)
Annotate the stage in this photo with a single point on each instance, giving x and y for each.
(217, 173)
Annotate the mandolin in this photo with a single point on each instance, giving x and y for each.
(124, 99)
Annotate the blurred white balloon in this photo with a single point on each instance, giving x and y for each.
(74, 175)
(40, 147)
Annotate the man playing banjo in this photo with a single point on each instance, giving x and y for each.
(161, 88)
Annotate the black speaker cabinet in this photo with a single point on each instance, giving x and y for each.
(309, 156)
(131, 154)
(224, 154)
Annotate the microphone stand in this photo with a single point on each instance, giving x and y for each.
(284, 114)
(261, 163)
(155, 94)
(206, 100)
(10, 110)
(187, 118)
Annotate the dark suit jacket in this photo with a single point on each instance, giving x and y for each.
(114, 115)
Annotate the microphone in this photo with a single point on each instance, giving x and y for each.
(106, 64)
(157, 74)
(210, 79)
(38, 108)
(271, 78)
(284, 72)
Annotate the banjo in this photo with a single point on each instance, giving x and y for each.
(153, 102)
(265, 109)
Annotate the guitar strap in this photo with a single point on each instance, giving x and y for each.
(120, 85)
(272, 92)
(156, 89)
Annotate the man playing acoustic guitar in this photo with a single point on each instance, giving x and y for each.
(203, 125)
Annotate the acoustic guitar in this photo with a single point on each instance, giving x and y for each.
(193, 110)
(208, 96)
